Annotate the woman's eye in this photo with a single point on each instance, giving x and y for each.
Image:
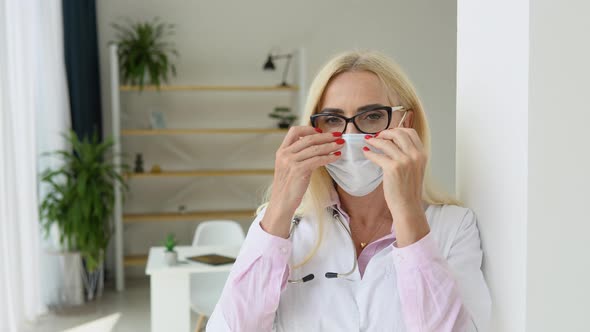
(374, 116)
(333, 120)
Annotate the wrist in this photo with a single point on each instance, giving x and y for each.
(410, 225)
(277, 220)
(279, 210)
(407, 209)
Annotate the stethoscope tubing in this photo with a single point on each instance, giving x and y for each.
(329, 275)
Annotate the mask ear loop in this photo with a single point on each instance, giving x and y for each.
(403, 118)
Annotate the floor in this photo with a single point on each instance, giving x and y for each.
(133, 304)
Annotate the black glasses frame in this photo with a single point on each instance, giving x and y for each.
(389, 109)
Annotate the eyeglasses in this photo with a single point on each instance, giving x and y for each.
(367, 122)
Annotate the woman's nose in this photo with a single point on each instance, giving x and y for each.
(351, 129)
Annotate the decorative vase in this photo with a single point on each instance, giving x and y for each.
(138, 163)
(94, 281)
(171, 258)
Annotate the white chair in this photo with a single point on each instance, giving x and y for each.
(218, 233)
(206, 288)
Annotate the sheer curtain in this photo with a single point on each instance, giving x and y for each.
(33, 110)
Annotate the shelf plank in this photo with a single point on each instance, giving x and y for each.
(135, 260)
(190, 173)
(178, 131)
(187, 216)
(209, 88)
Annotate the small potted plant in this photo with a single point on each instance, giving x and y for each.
(144, 53)
(286, 118)
(170, 255)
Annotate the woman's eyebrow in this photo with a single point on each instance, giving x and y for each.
(332, 110)
(368, 107)
(360, 109)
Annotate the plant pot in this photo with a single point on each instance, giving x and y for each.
(94, 281)
(284, 125)
(171, 258)
(66, 286)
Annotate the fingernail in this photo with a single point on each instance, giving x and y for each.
(340, 141)
(318, 130)
(337, 134)
(337, 153)
(366, 148)
(377, 134)
(368, 136)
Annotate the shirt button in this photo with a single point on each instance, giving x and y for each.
(283, 250)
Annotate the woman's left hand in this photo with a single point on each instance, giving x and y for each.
(403, 162)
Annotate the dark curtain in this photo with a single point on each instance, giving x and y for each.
(81, 58)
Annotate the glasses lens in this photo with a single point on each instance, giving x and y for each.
(372, 121)
(329, 123)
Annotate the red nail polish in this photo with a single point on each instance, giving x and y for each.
(337, 153)
(377, 134)
(340, 141)
(368, 136)
(366, 148)
(337, 134)
(318, 130)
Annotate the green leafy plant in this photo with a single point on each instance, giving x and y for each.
(81, 197)
(284, 115)
(170, 242)
(143, 51)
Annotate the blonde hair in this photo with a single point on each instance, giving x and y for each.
(397, 84)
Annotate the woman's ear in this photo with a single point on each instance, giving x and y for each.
(409, 120)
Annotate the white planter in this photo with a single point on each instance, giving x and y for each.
(65, 287)
(171, 257)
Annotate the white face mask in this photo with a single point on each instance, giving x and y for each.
(354, 173)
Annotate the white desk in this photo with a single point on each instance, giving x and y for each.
(170, 285)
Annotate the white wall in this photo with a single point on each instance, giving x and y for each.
(558, 263)
(226, 42)
(492, 165)
(522, 155)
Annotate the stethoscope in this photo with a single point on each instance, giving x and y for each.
(329, 275)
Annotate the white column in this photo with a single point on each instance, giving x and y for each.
(301, 75)
(523, 138)
(118, 207)
(558, 226)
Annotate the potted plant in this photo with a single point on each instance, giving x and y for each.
(80, 202)
(170, 255)
(284, 115)
(144, 53)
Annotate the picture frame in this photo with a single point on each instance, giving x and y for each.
(157, 120)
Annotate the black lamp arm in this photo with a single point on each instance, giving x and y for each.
(284, 83)
(282, 56)
(286, 70)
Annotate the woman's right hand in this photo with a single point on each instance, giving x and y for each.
(303, 150)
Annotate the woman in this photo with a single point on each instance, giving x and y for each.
(353, 236)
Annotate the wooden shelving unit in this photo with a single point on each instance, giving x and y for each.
(193, 131)
(135, 260)
(143, 219)
(189, 173)
(244, 88)
(186, 216)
